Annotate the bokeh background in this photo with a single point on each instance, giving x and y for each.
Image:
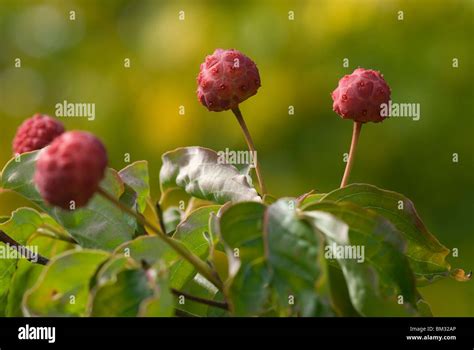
(300, 62)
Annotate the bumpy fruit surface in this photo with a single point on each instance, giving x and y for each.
(35, 133)
(226, 78)
(359, 96)
(70, 169)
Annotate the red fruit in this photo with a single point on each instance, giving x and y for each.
(35, 133)
(70, 169)
(225, 79)
(359, 96)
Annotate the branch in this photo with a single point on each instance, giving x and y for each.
(214, 303)
(28, 254)
(181, 249)
(159, 214)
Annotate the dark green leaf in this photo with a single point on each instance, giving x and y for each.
(136, 176)
(293, 251)
(425, 253)
(218, 312)
(124, 288)
(122, 297)
(250, 288)
(194, 288)
(190, 232)
(340, 297)
(241, 227)
(379, 277)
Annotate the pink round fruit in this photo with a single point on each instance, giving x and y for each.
(70, 169)
(360, 95)
(35, 133)
(226, 78)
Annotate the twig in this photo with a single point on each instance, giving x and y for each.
(200, 265)
(47, 233)
(251, 146)
(352, 151)
(214, 303)
(61, 235)
(159, 214)
(28, 254)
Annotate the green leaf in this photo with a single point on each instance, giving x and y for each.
(312, 198)
(63, 287)
(136, 176)
(379, 276)
(198, 171)
(217, 312)
(293, 251)
(18, 177)
(98, 225)
(23, 223)
(171, 218)
(424, 308)
(427, 256)
(194, 288)
(190, 232)
(129, 199)
(148, 249)
(27, 273)
(272, 252)
(241, 227)
(340, 297)
(125, 289)
(250, 288)
(122, 297)
(159, 305)
(109, 270)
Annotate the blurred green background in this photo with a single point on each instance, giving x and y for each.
(300, 62)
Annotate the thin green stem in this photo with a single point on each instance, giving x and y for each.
(48, 233)
(200, 265)
(59, 234)
(352, 151)
(251, 146)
